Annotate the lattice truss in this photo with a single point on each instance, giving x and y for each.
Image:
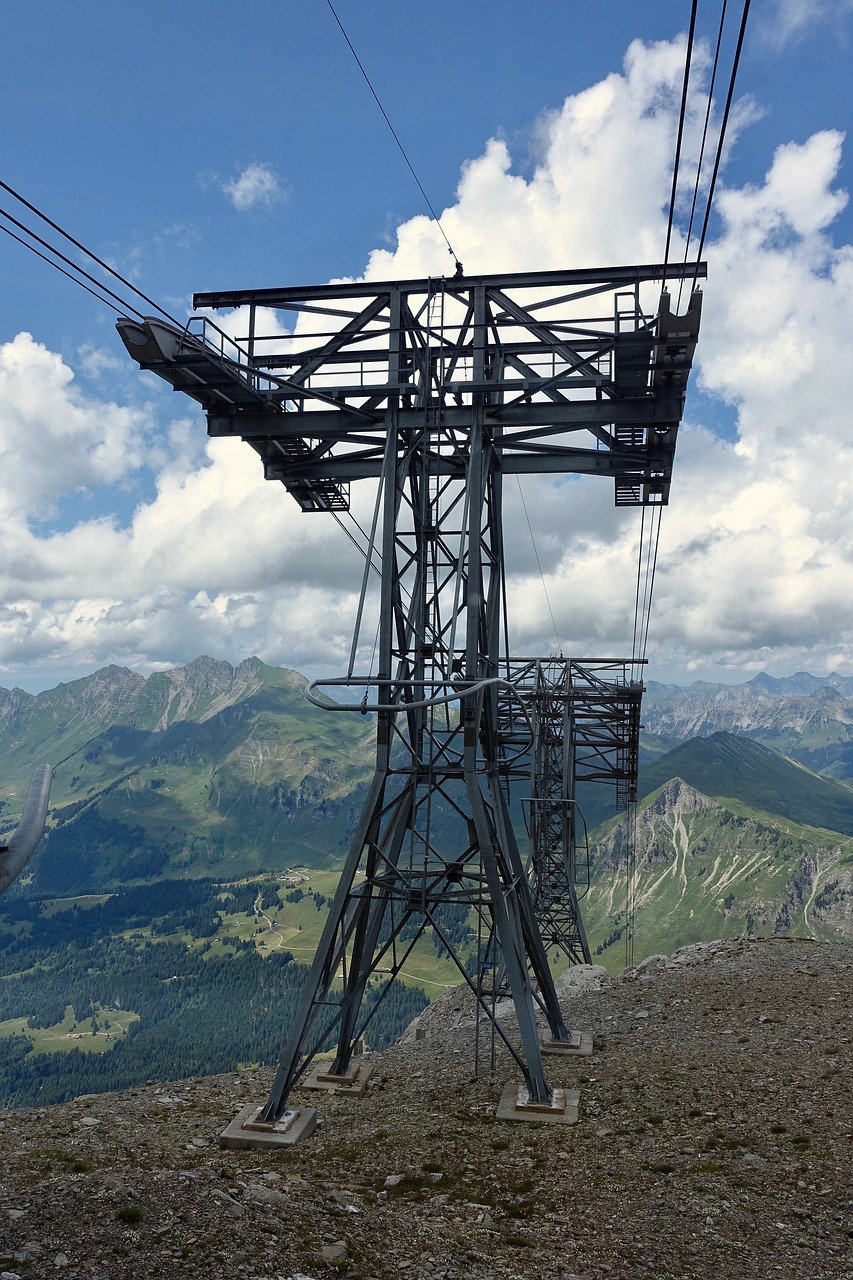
(585, 715)
(436, 389)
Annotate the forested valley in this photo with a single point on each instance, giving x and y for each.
(147, 985)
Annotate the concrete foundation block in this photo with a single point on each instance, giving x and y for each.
(579, 1045)
(353, 1082)
(515, 1104)
(246, 1132)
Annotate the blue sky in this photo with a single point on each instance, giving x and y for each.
(198, 149)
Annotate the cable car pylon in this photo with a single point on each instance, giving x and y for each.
(435, 390)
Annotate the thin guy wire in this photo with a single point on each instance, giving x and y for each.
(644, 611)
(634, 651)
(435, 216)
(630, 883)
(651, 583)
(56, 227)
(536, 554)
(688, 57)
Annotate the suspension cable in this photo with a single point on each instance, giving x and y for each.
(89, 254)
(69, 262)
(723, 127)
(396, 138)
(120, 311)
(688, 58)
(700, 161)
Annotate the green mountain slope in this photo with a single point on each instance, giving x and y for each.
(702, 871)
(736, 768)
(208, 769)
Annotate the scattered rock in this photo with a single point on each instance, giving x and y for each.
(333, 1252)
(716, 1138)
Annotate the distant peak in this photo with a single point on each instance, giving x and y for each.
(764, 680)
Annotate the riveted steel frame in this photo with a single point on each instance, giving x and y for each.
(437, 389)
(586, 728)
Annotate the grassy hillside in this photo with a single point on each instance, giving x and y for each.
(703, 870)
(207, 770)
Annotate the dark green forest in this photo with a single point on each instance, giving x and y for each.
(200, 1011)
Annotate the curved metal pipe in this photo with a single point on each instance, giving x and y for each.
(22, 844)
(462, 691)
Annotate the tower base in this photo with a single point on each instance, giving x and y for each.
(515, 1104)
(352, 1082)
(579, 1045)
(247, 1133)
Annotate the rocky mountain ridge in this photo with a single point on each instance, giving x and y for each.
(212, 769)
(701, 870)
(803, 716)
(206, 769)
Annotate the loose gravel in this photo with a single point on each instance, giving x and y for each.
(714, 1142)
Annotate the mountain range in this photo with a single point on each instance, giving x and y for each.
(744, 823)
(207, 769)
(806, 717)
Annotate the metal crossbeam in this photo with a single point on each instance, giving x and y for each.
(436, 389)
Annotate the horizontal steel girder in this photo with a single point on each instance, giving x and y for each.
(619, 277)
(579, 415)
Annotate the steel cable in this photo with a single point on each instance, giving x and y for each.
(396, 138)
(78, 245)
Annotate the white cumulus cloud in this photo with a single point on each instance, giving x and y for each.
(255, 187)
(756, 559)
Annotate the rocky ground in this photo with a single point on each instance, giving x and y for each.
(714, 1141)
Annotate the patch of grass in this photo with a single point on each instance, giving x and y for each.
(70, 1034)
(431, 1166)
(56, 1156)
(517, 1242)
(661, 1167)
(130, 1213)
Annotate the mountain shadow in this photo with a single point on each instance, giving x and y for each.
(737, 768)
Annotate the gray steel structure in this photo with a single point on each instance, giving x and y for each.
(436, 389)
(585, 714)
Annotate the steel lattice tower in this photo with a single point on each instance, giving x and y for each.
(585, 715)
(437, 389)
